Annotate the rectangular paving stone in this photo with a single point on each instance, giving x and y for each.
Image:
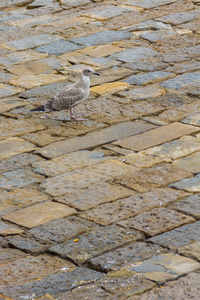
(181, 81)
(156, 221)
(158, 35)
(180, 17)
(94, 139)
(7, 90)
(165, 267)
(178, 237)
(189, 163)
(191, 250)
(53, 284)
(136, 54)
(156, 136)
(193, 119)
(142, 93)
(101, 50)
(9, 255)
(93, 195)
(109, 11)
(124, 256)
(188, 184)
(13, 146)
(21, 57)
(39, 214)
(27, 244)
(58, 48)
(8, 104)
(6, 229)
(189, 205)
(149, 3)
(95, 242)
(111, 87)
(150, 77)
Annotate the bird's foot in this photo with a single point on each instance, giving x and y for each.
(77, 118)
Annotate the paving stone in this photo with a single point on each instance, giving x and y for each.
(75, 3)
(60, 230)
(27, 244)
(123, 256)
(95, 242)
(156, 136)
(151, 77)
(58, 47)
(20, 198)
(85, 177)
(7, 90)
(9, 229)
(30, 268)
(164, 267)
(42, 138)
(39, 214)
(10, 103)
(100, 62)
(178, 289)
(156, 221)
(149, 25)
(189, 205)
(185, 67)
(21, 57)
(18, 127)
(193, 120)
(31, 42)
(53, 284)
(18, 178)
(109, 88)
(149, 4)
(101, 50)
(30, 81)
(158, 35)
(101, 38)
(13, 146)
(9, 255)
(180, 17)
(5, 76)
(94, 139)
(191, 251)
(189, 163)
(181, 81)
(178, 237)
(188, 184)
(142, 93)
(109, 11)
(135, 54)
(93, 195)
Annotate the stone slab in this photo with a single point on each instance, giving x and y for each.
(181, 81)
(95, 242)
(21, 57)
(58, 48)
(178, 237)
(193, 120)
(156, 136)
(9, 255)
(10, 103)
(39, 214)
(142, 93)
(150, 4)
(150, 77)
(6, 229)
(135, 54)
(192, 250)
(189, 205)
(156, 221)
(123, 256)
(189, 163)
(93, 195)
(94, 139)
(188, 184)
(7, 90)
(13, 146)
(101, 50)
(180, 17)
(158, 35)
(111, 88)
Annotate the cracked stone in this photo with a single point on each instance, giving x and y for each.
(101, 50)
(189, 206)
(58, 48)
(111, 87)
(190, 163)
(10, 103)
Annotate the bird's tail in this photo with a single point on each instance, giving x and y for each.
(40, 108)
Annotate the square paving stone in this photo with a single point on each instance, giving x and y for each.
(9, 255)
(58, 47)
(13, 146)
(189, 205)
(20, 198)
(101, 38)
(124, 256)
(135, 54)
(192, 250)
(188, 184)
(165, 267)
(39, 214)
(189, 163)
(178, 237)
(95, 242)
(93, 195)
(156, 221)
(150, 77)
(156, 136)
(53, 284)
(19, 178)
(30, 268)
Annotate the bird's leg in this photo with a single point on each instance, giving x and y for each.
(74, 116)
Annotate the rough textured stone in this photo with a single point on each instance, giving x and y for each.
(142, 79)
(9, 255)
(193, 120)
(7, 90)
(21, 57)
(58, 47)
(27, 244)
(9, 229)
(156, 221)
(38, 214)
(8, 104)
(138, 53)
(156, 136)
(100, 51)
(191, 251)
(96, 242)
(149, 4)
(142, 93)
(180, 17)
(181, 81)
(188, 184)
(189, 163)
(189, 205)
(178, 237)
(109, 88)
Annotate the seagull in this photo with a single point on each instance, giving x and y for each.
(71, 96)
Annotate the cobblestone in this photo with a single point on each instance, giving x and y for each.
(107, 208)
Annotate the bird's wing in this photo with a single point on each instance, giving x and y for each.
(67, 98)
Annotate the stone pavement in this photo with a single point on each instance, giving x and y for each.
(108, 208)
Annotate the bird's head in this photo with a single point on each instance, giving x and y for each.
(89, 72)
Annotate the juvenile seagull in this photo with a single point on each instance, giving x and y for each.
(71, 96)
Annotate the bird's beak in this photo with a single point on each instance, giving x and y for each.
(95, 73)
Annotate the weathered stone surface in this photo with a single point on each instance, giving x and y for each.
(180, 17)
(178, 237)
(10, 103)
(5, 76)
(96, 242)
(109, 88)
(158, 35)
(9, 229)
(135, 54)
(189, 205)
(93, 195)
(193, 120)
(95, 138)
(178, 289)
(149, 4)
(38, 214)
(184, 67)
(109, 11)
(7, 90)
(52, 284)
(156, 221)
(27, 244)
(100, 51)
(42, 138)
(75, 3)
(13, 146)
(124, 256)
(142, 79)
(21, 57)
(9, 255)
(20, 198)
(142, 93)
(188, 184)
(165, 267)
(156, 136)
(58, 47)
(181, 81)
(189, 163)
(191, 251)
